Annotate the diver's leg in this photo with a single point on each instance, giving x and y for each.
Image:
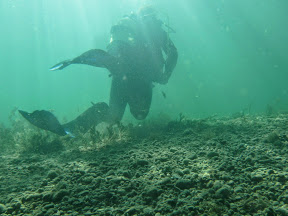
(140, 97)
(91, 117)
(101, 112)
(94, 57)
(118, 100)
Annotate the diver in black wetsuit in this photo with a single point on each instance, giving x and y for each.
(135, 60)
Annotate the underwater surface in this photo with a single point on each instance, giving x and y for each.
(216, 138)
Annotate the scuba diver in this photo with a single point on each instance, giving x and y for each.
(134, 59)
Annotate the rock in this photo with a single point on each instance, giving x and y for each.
(224, 192)
(186, 171)
(179, 172)
(217, 184)
(148, 211)
(165, 181)
(238, 189)
(193, 157)
(51, 211)
(49, 206)
(32, 197)
(272, 137)
(59, 195)
(87, 180)
(61, 185)
(184, 184)
(256, 177)
(186, 161)
(284, 198)
(281, 178)
(52, 174)
(141, 163)
(116, 180)
(173, 150)
(83, 193)
(176, 213)
(282, 211)
(133, 210)
(188, 131)
(127, 174)
(212, 154)
(44, 183)
(88, 213)
(2, 208)
(153, 192)
(16, 204)
(110, 173)
(257, 187)
(47, 197)
(269, 212)
(172, 202)
(163, 159)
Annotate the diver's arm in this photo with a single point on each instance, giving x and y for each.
(171, 58)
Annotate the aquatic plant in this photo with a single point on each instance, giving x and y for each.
(43, 144)
(96, 138)
(6, 140)
(270, 110)
(94, 135)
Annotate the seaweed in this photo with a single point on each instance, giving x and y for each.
(43, 144)
(6, 140)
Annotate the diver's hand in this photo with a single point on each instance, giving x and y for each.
(60, 65)
(163, 81)
(161, 77)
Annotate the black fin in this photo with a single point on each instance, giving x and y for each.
(60, 65)
(44, 120)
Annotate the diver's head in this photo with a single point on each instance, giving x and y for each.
(147, 13)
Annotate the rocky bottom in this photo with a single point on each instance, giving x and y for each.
(213, 166)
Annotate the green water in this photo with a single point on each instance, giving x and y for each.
(232, 55)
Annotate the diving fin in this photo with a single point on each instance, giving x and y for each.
(97, 58)
(44, 120)
(93, 57)
(60, 65)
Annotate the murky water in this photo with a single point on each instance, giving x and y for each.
(232, 55)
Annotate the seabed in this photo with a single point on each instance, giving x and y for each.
(213, 166)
